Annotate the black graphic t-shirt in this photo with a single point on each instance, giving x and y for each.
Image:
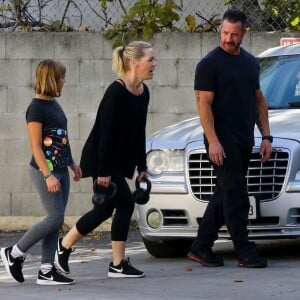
(55, 141)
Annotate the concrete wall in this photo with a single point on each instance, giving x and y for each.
(87, 57)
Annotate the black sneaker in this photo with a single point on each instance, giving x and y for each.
(13, 265)
(53, 278)
(206, 258)
(124, 270)
(62, 257)
(252, 260)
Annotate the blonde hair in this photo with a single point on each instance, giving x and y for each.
(48, 77)
(123, 54)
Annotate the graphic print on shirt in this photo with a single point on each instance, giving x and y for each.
(56, 148)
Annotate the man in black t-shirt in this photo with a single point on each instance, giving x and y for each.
(230, 102)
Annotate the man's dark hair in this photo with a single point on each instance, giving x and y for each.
(234, 16)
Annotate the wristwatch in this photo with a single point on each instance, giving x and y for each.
(267, 137)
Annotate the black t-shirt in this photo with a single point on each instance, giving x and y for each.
(55, 142)
(234, 80)
(117, 140)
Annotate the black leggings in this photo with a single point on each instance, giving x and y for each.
(123, 205)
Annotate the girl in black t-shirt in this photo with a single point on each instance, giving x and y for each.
(51, 157)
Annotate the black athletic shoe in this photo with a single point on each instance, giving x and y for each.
(13, 265)
(252, 260)
(53, 278)
(206, 258)
(124, 270)
(62, 255)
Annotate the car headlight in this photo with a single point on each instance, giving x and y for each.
(160, 161)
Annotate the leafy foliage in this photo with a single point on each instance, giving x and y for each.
(287, 11)
(26, 15)
(283, 15)
(210, 24)
(147, 17)
(142, 20)
(144, 17)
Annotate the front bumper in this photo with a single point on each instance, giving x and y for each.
(181, 214)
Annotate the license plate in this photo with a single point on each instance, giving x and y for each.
(252, 210)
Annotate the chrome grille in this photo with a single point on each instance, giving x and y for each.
(264, 181)
(174, 217)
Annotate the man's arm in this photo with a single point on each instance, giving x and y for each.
(204, 100)
(262, 122)
(262, 118)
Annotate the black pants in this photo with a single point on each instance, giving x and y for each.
(229, 204)
(123, 205)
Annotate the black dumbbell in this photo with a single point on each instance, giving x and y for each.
(102, 195)
(140, 195)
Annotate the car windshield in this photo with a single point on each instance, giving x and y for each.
(280, 81)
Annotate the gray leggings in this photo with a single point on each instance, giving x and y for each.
(54, 204)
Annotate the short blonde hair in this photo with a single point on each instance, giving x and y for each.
(123, 54)
(49, 73)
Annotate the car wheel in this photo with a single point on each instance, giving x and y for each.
(170, 248)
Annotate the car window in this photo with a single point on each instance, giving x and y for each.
(280, 81)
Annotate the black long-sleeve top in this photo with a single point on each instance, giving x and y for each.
(117, 140)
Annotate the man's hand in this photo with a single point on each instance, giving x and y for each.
(265, 150)
(216, 153)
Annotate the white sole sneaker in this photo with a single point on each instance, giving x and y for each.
(121, 275)
(50, 282)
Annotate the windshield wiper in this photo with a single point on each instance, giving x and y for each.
(294, 104)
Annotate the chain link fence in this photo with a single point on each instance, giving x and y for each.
(63, 15)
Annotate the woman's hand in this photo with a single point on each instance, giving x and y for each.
(142, 174)
(104, 181)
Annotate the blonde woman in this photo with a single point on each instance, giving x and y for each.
(51, 157)
(114, 149)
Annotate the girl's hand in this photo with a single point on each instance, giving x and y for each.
(53, 184)
(77, 172)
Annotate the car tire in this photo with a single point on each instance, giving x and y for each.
(169, 248)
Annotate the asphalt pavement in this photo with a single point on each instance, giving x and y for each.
(168, 278)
